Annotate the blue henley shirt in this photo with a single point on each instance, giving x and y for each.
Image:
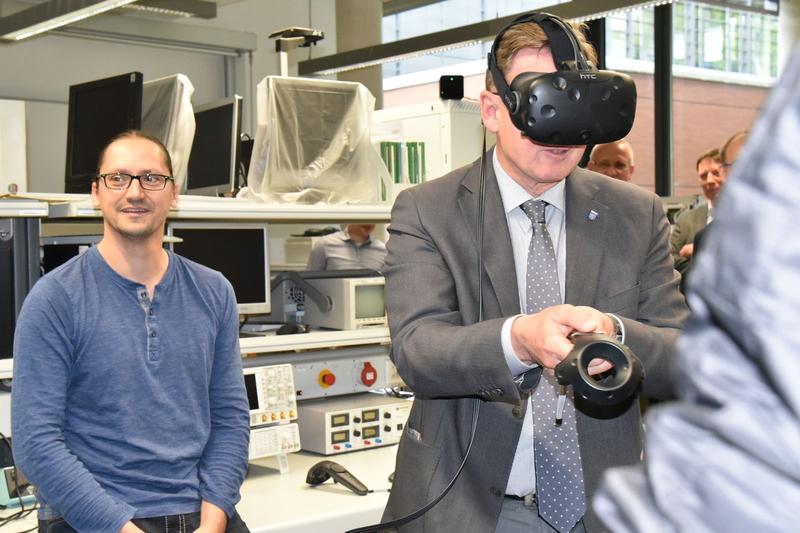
(125, 407)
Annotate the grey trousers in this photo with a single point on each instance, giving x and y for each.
(515, 517)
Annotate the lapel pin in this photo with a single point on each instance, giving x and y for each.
(592, 214)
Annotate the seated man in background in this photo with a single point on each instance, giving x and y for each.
(728, 156)
(128, 405)
(615, 160)
(349, 249)
(688, 223)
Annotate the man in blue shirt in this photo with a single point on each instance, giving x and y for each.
(129, 406)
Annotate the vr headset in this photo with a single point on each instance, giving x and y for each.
(577, 104)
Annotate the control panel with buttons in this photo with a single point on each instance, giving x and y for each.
(320, 376)
(271, 394)
(274, 440)
(346, 423)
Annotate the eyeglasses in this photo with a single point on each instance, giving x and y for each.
(119, 181)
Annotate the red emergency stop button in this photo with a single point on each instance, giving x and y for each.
(326, 378)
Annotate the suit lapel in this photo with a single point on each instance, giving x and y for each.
(498, 256)
(586, 223)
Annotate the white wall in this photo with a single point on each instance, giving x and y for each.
(41, 69)
(263, 17)
(13, 170)
(47, 145)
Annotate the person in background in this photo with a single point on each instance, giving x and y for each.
(128, 406)
(614, 159)
(566, 250)
(688, 223)
(729, 153)
(350, 249)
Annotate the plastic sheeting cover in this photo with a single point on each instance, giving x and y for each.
(167, 115)
(312, 143)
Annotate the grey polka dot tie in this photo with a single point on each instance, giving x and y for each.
(559, 475)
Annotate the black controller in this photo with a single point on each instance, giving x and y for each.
(323, 470)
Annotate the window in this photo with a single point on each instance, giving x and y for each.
(445, 15)
(724, 62)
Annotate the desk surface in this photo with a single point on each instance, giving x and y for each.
(14, 207)
(314, 340)
(282, 503)
(209, 208)
(275, 502)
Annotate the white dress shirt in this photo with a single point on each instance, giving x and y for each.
(522, 479)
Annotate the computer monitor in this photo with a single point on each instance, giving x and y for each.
(167, 115)
(8, 309)
(98, 110)
(57, 250)
(355, 303)
(214, 161)
(19, 271)
(336, 299)
(240, 250)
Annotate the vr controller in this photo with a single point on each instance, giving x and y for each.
(619, 384)
(576, 105)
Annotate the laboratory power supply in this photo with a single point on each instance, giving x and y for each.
(347, 423)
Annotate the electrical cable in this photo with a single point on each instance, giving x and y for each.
(476, 406)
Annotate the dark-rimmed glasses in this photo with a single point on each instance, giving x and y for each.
(119, 181)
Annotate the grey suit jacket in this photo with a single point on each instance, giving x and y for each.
(619, 262)
(686, 226)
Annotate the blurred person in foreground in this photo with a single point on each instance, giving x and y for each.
(726, 457)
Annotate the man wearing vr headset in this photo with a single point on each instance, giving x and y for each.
(610, 245)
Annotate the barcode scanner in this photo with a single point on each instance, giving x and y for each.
(324, 470)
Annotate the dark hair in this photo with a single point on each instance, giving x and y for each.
(136, 134)
(712, 154)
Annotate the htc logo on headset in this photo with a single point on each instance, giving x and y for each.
(589, 76)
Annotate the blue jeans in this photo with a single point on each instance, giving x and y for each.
(178, 523)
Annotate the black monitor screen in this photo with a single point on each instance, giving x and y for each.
(252, 391)
(7, 308)
(55, 251)
(98, 111)
(239, 253)
(214, 157)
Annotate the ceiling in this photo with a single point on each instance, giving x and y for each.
(20, 19)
